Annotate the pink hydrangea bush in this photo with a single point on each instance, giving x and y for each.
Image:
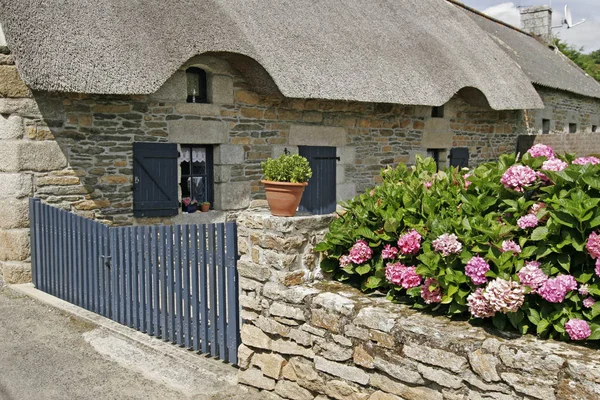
(515, 243)
(578, 329)
(587, 160)
(518, 177)
(410, 243)
(447, 244)
(528, 221)
(541, 150)
(476, 269)
(360, 252)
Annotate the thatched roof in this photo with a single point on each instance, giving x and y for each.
(543, 66)
(403, 51)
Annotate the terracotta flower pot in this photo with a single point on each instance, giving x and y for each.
(284, 197)
(204, 207)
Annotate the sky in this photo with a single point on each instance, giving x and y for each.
(586, 35)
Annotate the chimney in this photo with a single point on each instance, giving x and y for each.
(538, 21)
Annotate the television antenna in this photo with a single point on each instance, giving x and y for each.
(568, 21)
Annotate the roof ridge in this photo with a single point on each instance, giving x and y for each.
(466, 7)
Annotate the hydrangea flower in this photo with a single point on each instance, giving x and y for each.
(479, 307)
(584, 290)
(536, 208)
(554, 290)
(510, 245)
(586, 160)
(568, 282)
(428, 184)
(517, 177)
(410, 243)
(593, 245)
(447, 244)
(588, 302)
(578, 329)
(360, 252)
(555, 164)
(532, 276)
(467, 181)
(597, 269)
(389, 252)
(476, 269)
(428, 295)
(504, 296)
(402, 275)
(345, 261)
(541, 150)
(528, 221)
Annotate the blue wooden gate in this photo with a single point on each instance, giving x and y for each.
(178, 283)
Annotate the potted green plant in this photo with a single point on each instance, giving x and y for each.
(205, 206)
(285, 180)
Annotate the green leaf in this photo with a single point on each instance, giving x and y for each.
(516, 318)
(373, 282)
(595, 332)
(565, 261)
(323, 246)
(391, 225)
(542, 326)
(329, 265)
(533, 316)
(499, 321)
(363, 269)
(539, 233)
(366, 233)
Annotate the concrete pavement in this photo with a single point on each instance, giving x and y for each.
(64, 352)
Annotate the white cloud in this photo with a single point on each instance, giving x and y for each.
(586, 35)
(506, 12)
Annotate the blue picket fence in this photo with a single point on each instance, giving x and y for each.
(178, 283)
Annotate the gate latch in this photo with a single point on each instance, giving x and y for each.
(106, 260)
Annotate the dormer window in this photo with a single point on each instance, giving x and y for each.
(196, 85)
(437, 112)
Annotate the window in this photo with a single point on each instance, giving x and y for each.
(196, 85)
(572, 128)
(196, 164)
(435, 154)
(545, 126)
(437, 112)
(594, 128)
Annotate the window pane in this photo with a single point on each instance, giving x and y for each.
(199, 168)
(199, 189)
(185, 187)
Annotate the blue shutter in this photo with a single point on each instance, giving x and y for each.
(155, 190)
(319, 195)
(459, 157)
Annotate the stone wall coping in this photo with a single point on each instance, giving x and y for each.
(374, 311)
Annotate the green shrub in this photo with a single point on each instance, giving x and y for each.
(518, 256)
(287, 168)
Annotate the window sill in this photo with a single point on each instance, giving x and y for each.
(211, 217)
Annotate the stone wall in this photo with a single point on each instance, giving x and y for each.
(563, 108)
(324, 340)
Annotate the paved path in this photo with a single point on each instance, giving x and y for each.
(48, 354)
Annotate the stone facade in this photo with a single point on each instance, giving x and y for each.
(75, 151)
(562, 109)
(321, 340)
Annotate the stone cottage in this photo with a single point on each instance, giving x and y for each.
(118, 111)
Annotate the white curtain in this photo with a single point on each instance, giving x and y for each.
(198, 155)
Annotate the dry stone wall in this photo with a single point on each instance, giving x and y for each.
(308, 339)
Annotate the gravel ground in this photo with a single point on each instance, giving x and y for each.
(48, 354)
